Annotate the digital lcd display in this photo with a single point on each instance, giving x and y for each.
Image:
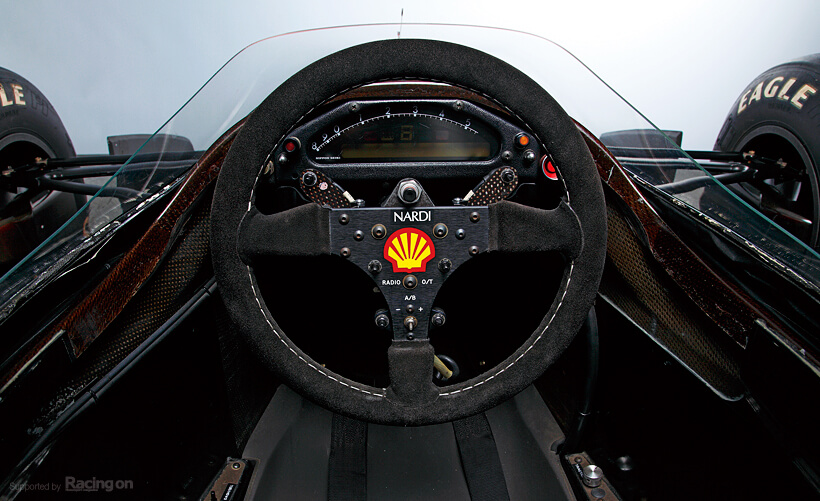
(403, 138)
(416, 151)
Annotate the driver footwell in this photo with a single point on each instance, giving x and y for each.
(291, 447)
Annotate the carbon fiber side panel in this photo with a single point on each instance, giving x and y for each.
(642, 292)
(187, 267)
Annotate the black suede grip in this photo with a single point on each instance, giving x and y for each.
(520, 228)
(301, 231)
(411, 372)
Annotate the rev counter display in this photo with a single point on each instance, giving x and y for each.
(403, 132)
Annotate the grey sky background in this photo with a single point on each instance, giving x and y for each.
(112, 67)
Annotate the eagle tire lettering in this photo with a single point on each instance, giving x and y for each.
(778, 117)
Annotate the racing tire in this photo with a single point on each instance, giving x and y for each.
(778, 117)
(29, 129)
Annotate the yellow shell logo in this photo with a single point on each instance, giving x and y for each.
(409, 250)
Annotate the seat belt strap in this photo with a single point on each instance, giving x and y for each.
(479, 459)
(347, 467)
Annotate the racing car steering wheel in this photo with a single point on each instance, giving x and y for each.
(240, 234)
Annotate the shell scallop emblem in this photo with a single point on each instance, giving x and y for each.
(409, 250)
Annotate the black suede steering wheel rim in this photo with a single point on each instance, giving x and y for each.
(415, 60)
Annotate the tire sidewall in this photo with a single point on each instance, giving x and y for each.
(28, 118)
(28, 113)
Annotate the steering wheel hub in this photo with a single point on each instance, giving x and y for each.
(411, 255)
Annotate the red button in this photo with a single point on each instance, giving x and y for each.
(548, 168)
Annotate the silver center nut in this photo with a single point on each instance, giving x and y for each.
(409, 191)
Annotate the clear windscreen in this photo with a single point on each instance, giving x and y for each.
(253, 73)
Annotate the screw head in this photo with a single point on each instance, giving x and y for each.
(345, 252)
(507, 155)
(445, 265)
(358, 236)
(508, 175)
(460, 234)
(440, 230)
(473, 250)
(374, 266)
(457, 201)
(354, 107)
(475, 217)
(236, 466)
(310, 179)
(378, 231)
(438, 319)
(344, 218)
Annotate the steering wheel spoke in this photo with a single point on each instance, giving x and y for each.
(301, 231)
(409, 253)
(519, 228)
